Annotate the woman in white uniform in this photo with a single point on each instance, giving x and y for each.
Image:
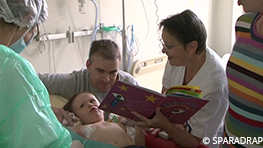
(191, 62)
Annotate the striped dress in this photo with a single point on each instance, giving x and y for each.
(245, 78)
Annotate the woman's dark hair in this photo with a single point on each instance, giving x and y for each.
(186, 27)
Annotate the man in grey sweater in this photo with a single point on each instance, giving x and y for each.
(102, 70)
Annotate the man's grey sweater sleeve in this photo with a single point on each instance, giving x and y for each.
(65, 85)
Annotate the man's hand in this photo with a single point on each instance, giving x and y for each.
(62, 114)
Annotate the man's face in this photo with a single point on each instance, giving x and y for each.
(103, 73)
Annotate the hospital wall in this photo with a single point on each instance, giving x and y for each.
(60, 56)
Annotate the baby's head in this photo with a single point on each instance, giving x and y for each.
(85, 107)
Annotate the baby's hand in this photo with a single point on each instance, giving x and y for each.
(75, 119)
(62, 115)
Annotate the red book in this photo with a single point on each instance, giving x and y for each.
(124, 98)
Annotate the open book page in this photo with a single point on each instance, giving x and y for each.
(124, 98)
(179, 108)
(182, 102)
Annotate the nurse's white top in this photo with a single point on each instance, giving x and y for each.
(211, 78)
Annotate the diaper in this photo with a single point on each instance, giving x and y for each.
(88, 130)
(131, 132)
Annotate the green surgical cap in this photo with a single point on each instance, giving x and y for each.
(24, 13)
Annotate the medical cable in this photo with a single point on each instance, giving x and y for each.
(129, 47)
(53, 58)
(157, 23)
(132, 46)
(96, 26)
(132, 42)
(42, 45)
(147, 20)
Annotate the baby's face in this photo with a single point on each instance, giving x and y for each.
(85, 107)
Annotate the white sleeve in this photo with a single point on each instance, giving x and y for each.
(167, 75)
(208, 121)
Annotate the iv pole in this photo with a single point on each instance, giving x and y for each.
(124, 46)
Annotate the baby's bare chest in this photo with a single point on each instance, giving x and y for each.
(112, 133)
(108, 130)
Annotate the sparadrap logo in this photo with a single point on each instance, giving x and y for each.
(237, 140)
(206, 140)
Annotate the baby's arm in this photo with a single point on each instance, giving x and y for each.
(139, 136)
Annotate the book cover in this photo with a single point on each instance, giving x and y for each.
(124, 98)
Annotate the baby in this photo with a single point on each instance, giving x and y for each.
(85, 107)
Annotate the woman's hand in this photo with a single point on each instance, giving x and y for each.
(158, 121)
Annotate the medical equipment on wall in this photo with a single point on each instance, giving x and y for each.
(124, 47)
(96, 26)
(109, 32)
(125, 38)
(82, 6)
(70, 36)
(132, 45)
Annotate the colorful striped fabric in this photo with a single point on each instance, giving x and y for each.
(245, 78)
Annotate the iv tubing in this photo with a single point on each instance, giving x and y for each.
(96, 22)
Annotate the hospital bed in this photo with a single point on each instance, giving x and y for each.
(57, 101)
(149, 72)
